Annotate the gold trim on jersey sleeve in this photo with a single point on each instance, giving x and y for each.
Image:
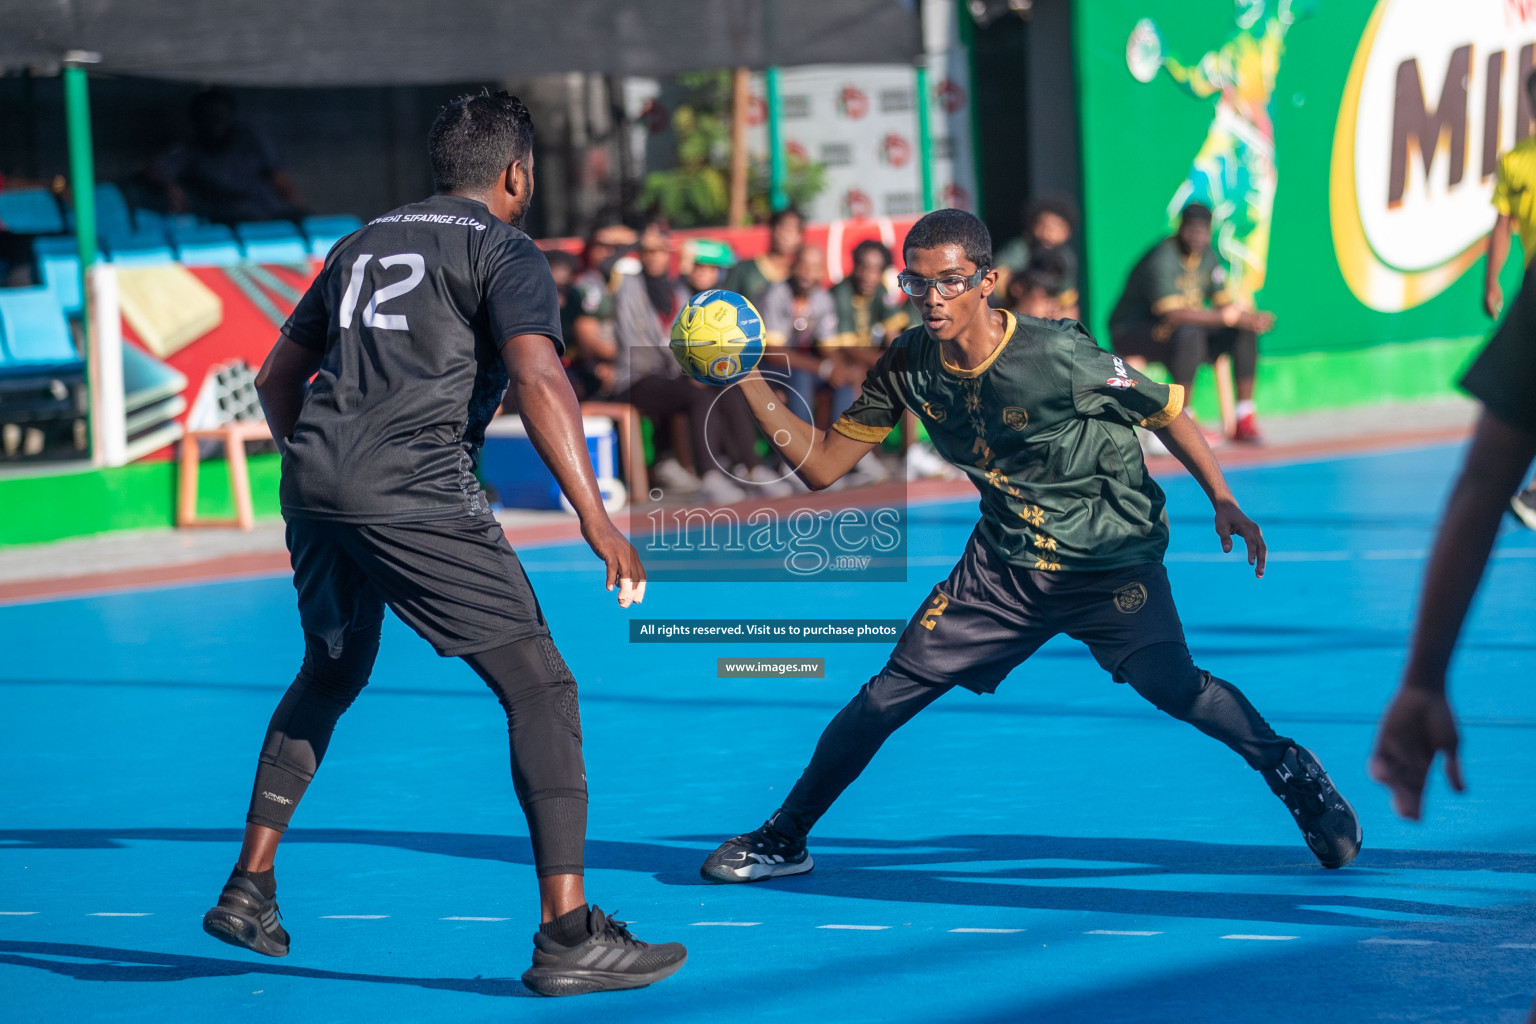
(1168, 304)
(895, 324)
(845, 339)
(861, 431)
(1221, 298)
(1175, 405)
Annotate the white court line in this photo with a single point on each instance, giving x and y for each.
(1399, 942)
(474, 919)
(1517, 945)
(986, 931)
(855, 927)
(353, 917)
(726, 924)
(1107, 931)
(17, 913)
(1262, 938)
(106, 913)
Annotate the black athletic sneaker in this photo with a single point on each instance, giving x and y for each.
(1325, 817)
(244, 917)
(763, 853)
(608, 960)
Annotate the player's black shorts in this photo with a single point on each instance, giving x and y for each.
(1503, 377)
(456, 582)
(979, 624)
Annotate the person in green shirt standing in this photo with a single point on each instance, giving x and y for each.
(752, 278)
(1175, 310)
(1070, 540)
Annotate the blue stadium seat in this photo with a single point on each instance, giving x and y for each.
(142, 247)
(150, 220)
(34, 331)
(272, 241)
(324, 232)
(113, 219)
(207, 245)
(31, 211)
(58, 265)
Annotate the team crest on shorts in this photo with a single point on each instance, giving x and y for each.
(1130, 598)
(1015, 417)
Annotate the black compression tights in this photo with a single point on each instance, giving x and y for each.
(1162, 673)
(536, 690)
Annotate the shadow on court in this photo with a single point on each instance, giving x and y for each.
(1148, 877)
(108, 963)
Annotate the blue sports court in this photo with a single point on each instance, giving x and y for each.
(1058, 852)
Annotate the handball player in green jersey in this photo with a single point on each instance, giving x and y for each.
(1071, 537)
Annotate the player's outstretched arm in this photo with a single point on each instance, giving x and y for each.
(1187, 444)
(553, 418)
(1418, 723)
(280, 386)
(820, 457)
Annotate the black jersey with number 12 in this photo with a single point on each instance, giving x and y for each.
(410, 313)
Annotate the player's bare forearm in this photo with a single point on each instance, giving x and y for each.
(1184, 440)
(1211, 318)
(1498, 252)
(1494, 468)
(1187, 444)
(552, 417)
(819, 457)
(280, 387)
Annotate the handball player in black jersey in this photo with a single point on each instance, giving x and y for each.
(379, 391)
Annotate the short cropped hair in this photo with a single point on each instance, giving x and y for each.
(951, 227)
(779, 216)
(1059, 205)
(870, 245)
(1046, 271)
(1197, 213)
(476, 138)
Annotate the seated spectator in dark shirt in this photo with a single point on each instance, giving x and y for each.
(799, 327)
(1048, 226)
(722, 434)
(1038, 289)
(226, 171)
(1176, 311)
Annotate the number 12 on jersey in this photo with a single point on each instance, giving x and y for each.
(371, 315)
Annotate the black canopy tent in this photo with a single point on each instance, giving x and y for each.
(385, 42)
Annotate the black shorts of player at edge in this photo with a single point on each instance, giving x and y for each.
(985, 620)
(458, 584)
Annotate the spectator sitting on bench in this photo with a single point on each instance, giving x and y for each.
(226, 171)
(1175, 311)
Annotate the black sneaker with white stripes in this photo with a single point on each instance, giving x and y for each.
(1324, 816)
(763, 853)
(609, 959)
(244, 917)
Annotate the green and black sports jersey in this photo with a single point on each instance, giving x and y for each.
(1166, 279)
(865, 321)
(1044, 428)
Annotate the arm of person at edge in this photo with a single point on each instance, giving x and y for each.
(552, 416)
(820, 457)
(1418, 722)
(280, 386)
(1188, 445)
(1498, 252)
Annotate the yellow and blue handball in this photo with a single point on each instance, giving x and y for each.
(717, 337)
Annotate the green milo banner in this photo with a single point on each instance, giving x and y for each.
(1348, 149)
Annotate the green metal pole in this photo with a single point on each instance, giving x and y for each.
(776, 196)
(82, 163)
(968, 40)
(924, 134)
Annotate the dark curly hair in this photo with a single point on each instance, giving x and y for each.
(476, 138)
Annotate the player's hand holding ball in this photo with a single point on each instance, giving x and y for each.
(717, 337)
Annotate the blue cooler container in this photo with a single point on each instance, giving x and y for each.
(510, 465)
